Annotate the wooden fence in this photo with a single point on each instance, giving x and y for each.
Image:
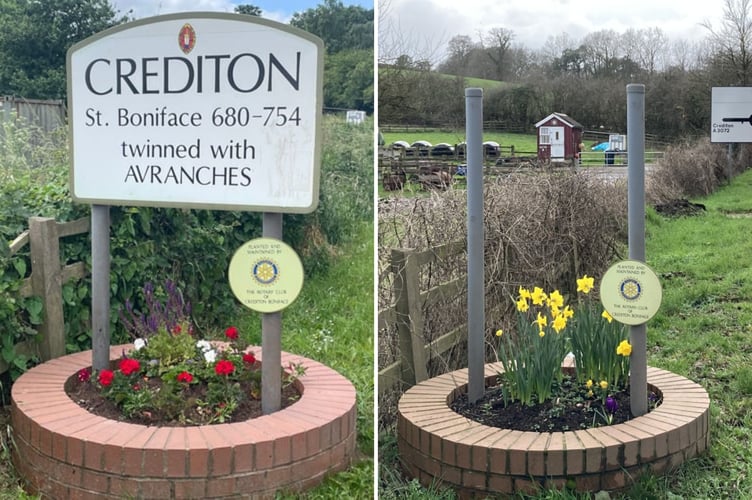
(46, 281)
(47, 115)
(407, 314)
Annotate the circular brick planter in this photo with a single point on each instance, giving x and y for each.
(439, 445)
(64, 451)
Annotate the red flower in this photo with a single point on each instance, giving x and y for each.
(129, 366)
(84, 374)
(105, 377)
(185, 377)
(231, 333)
(224, 367)
(249, 358)
(177, 329)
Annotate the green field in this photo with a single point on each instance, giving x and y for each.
(523, 143)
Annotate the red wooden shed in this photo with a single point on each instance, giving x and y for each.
(559, 137)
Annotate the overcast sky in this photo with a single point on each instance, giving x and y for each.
(435, 22)
(276, 10)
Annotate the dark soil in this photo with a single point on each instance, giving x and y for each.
(569, 410)
(678, 208)
(87, 396)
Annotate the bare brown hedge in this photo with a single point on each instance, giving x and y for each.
(692, 169)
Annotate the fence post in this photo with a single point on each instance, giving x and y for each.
(46, 282)
(409, 316)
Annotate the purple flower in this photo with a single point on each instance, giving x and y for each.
(611, 405)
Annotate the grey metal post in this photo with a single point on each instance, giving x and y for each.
(636, 219)
(475, 265)
(729, 162)
(271, 336)
(100, 286)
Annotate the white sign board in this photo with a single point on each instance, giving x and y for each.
(355, 117)
(197, 110)
(731, 114)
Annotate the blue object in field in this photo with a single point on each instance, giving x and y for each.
(603, 146)
(461, 170)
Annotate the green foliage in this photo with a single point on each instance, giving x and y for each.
(341, 28)
(532, 358)
(348, 79)
(595, 341)
(35, 37)
(248, 9)
(347, 32)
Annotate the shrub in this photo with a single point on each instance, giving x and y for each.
(691, 169)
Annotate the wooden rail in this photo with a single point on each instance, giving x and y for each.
(407, 314)
(46, 281)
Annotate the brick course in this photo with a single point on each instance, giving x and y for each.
(64, 452)
(437, 444)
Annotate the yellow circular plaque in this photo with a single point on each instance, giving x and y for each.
(631, 292)
(266, 275)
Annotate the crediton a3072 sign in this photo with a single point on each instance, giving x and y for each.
(200, 110)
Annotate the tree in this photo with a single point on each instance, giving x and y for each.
(34, 37)
(459, 49)
(733, 39)
(248, 9)
(341, 28)
(496, 45)
(348, 80)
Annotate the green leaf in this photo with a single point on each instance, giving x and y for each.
(20, 266)
(34, 307)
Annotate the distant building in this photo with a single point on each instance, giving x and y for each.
(559, 137)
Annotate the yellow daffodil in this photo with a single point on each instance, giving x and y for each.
(560, 322)
(585, 284)
(522, 305)
(524, 293)
(541, 321)
(499, 332)
(555, 299)
(590, 394)
(555, 311)
(541, 333)
(604, 385)
(589, 384)
(607, 316)
(568, 312)
(624, 348)
(538, 296)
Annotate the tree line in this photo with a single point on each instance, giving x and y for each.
(584, 78)
(35, 35)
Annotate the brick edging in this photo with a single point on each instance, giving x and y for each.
(64, 451)
(438, 444)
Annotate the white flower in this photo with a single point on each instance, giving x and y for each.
(210, 356)
(204, 345)
(139, 344)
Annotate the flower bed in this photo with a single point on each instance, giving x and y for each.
(437, 444)
(64, 451)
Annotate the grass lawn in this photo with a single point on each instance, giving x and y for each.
(702, 332)
(332, 322)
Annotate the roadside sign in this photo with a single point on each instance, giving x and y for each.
(197, 110)
(631, 292)
(731, 114)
